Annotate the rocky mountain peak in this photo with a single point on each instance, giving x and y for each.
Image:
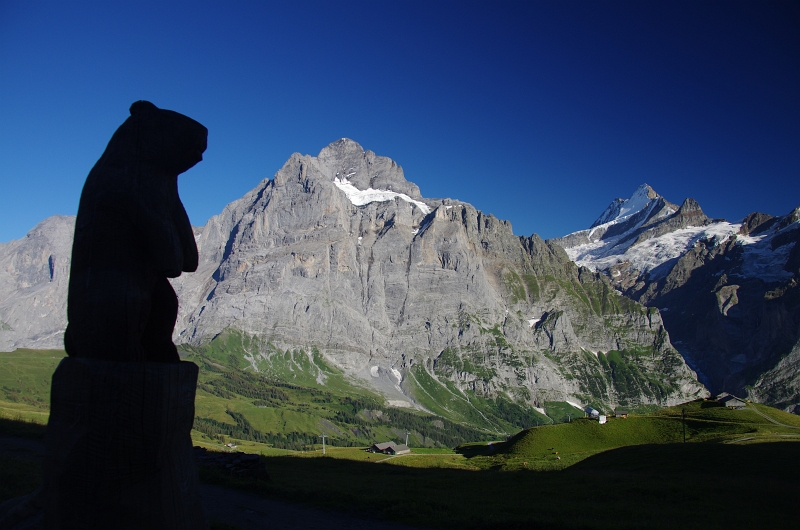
(689, 214)
(343, 256)
(646, 191)
(689, 206)
(728, 291)
(756, 223)
(622, 208)
(789, 219)
(34, 272)
(345, 159)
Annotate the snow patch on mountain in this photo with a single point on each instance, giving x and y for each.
(761, 260)
(600, 248)
(648, 254)
(397, 374)
(577, 406)
(361, 197)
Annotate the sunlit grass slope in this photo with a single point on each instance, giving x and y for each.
(559, 446)
(25, 382)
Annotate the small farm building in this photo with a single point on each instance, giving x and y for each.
(398, 450)
(381, 447)
(732, 402)
(620, 412)
(591, 412)
(602, 419)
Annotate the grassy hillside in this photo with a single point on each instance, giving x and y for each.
(295, 397)
(560, 446)
(25, 382)
(300, 399)
(500, 416)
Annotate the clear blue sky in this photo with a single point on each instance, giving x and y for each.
(538, 112)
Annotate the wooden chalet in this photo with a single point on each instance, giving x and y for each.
(401, 449)
(381, 447)
(732, 402)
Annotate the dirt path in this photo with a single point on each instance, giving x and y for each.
(776, 422)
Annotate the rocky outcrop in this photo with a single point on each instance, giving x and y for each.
(34, 272)
(780, 385)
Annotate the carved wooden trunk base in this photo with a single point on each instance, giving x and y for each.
(119, 451)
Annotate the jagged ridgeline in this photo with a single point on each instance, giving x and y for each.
(338, 272)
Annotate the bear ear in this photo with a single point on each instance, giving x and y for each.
(142, 107)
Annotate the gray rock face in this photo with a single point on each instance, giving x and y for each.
(780, 384)
(727, 291)
(34, 272)
(383, 283)
(340, 258)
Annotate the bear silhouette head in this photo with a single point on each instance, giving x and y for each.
(166, 141)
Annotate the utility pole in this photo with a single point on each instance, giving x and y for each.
(323, 436)
(407, 433)
(683, 420)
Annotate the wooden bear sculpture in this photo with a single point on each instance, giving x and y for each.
(132, 233)
(118, 445)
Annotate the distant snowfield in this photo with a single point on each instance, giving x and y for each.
(361, 197)
(763, 262)
(651, 253)
(656, 256)
(759, 258)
